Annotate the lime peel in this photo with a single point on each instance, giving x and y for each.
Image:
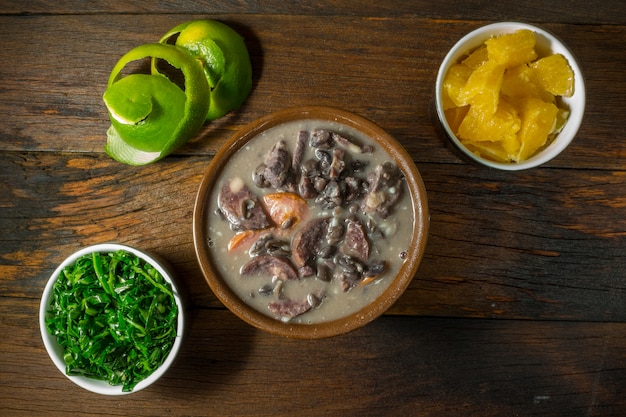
(151, 116)
(224, 58)
(157, 133)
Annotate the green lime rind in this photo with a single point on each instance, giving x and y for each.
(128, 102)
(165, 117)
(146, 108)
(224, 58)
(118, 149)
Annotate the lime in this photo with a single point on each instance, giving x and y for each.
(200, 70)
(150, 114)
(224, 58)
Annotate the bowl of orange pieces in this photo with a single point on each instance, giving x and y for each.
(510, 96)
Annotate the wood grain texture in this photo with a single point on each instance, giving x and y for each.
(97, 200)
(500, 245)
(392, 367)
(517, 308)
(573, 11)
(383, 69)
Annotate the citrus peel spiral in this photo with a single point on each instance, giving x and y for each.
(151, 114)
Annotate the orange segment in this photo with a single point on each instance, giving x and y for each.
(538, 121)
(519, 82)
(554, 74)
(478, 57)
(453, 84)
(502, 126)
(508, 113)
(483, 86)
(512, 49)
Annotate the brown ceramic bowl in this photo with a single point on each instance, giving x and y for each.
(219, 284)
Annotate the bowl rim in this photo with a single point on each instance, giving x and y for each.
(350, 322)
(54, 350)
(546, 41)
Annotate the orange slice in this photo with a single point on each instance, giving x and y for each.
(538, 121)
(512, 49)
(555, 75)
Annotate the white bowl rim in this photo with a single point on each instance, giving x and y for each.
(545, 40)
(53, 348)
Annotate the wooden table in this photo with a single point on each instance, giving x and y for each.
(519, 305)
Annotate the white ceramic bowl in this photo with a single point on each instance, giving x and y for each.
(56, 351)
(546, 45)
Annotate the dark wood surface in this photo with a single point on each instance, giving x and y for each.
(518, 308)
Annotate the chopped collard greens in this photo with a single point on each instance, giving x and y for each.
(115, 317)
